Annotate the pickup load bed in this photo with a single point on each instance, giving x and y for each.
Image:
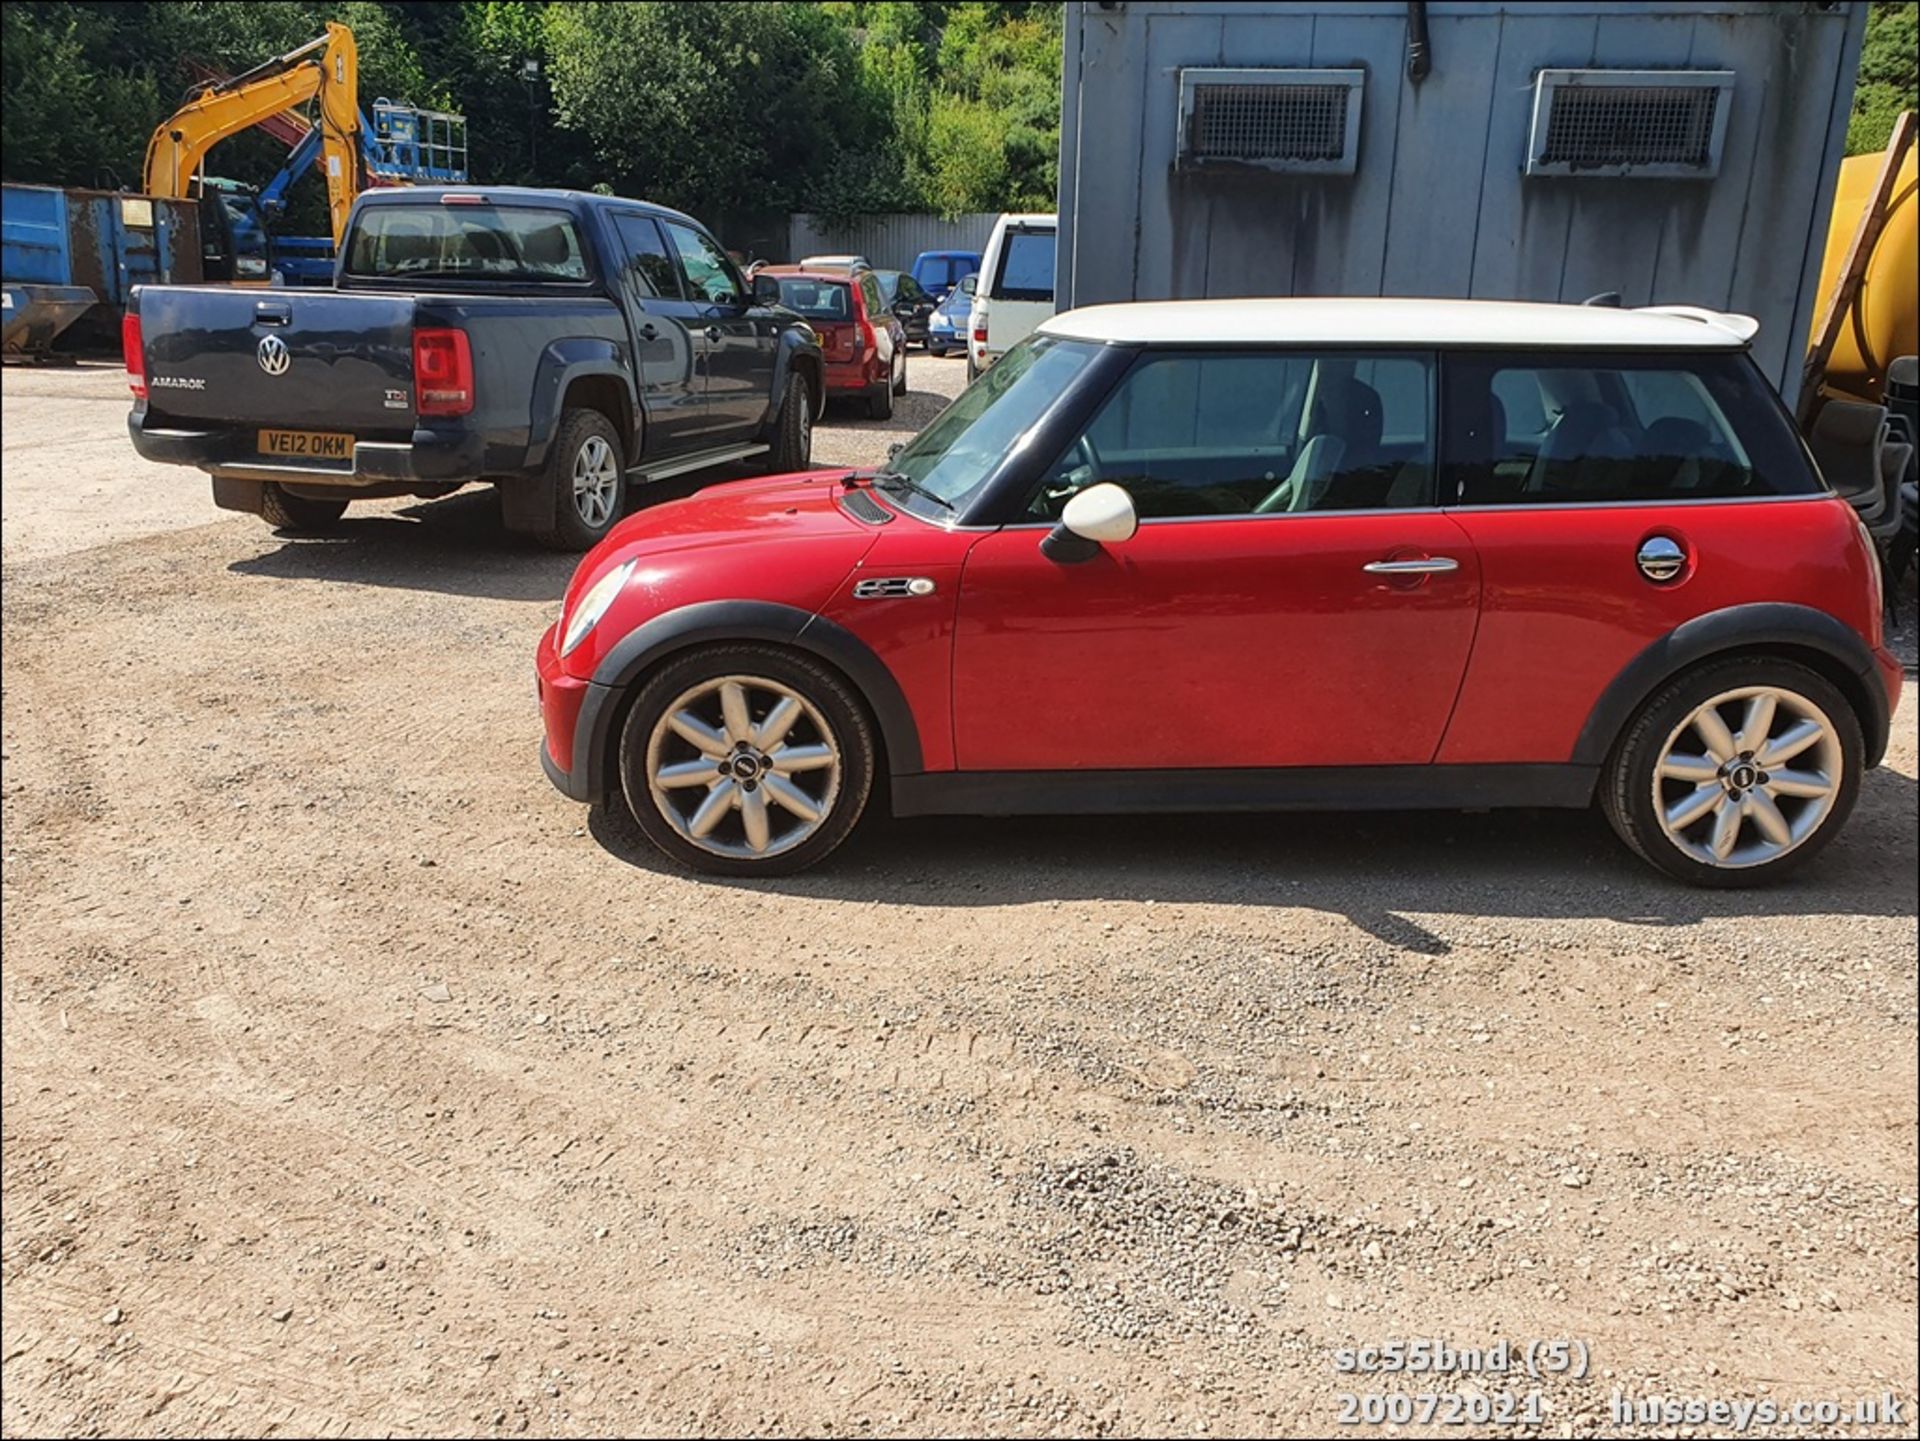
(555, 344)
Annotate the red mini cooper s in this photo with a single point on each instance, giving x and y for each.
(1250, 555)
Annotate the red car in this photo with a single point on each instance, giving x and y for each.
(863, 342)
(1249, 555)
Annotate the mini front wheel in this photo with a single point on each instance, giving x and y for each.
(746, 760)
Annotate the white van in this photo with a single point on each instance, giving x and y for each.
(1015, 293)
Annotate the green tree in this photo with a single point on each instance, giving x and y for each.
(714, 107)
(71, 117)
(1889, 74)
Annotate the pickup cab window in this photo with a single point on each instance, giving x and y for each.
(647, 257)
(709, 274)
(465, 242)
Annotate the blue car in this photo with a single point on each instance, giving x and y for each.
(939, 271)
(947, 326)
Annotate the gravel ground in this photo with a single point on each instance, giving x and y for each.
(356, 1082)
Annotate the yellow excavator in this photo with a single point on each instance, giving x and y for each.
(328, 67)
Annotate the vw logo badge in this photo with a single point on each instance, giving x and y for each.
(273, 355)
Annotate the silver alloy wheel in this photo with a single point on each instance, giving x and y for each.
(596, 481)
(1746, 793)
(743, 766)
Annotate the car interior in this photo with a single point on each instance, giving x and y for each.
(817, 299)
(1567, 433)
(1270, 434)
(1258, 435)
(500, 244)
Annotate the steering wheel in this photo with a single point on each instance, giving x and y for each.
(1080, 469)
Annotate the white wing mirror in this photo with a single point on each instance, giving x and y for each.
(1100, 515)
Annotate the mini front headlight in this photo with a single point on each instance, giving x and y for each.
(593, 605)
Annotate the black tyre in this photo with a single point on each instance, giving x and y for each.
(791, 446)
(298, 514)
(581, 492)
(880, 400)
(746, 760)
(938, 352)
(900, 380)
(1737, 773)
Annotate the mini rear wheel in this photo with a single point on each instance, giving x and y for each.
(1737, 773)
(745, 760)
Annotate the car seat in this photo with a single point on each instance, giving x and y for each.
(1351, 410)
(547, 248)
(1582, 445)
(1673, 448)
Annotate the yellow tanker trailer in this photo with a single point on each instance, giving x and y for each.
(1860, 401)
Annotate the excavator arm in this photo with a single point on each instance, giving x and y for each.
(328, 67)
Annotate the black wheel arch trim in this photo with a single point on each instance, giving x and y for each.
(560, 365)
(796, 352)
(720, 622)
(1760, 625)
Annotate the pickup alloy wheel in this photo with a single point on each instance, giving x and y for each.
(581, 492)
(596, 482)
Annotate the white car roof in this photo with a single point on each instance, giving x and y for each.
(1034, 219)
(1370, 320)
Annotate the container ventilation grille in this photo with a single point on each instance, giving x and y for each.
(1298, 121)
(1657, 124)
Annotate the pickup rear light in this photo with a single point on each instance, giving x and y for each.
(136, 358)
(868, 340)
(442, 372)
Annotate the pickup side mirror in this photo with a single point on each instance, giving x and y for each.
(1100, 515)
(766, 290)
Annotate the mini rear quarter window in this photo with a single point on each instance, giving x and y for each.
(1548, 429)
(465, 242)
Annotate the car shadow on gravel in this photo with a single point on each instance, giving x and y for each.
(457, 546)
(1373, 868)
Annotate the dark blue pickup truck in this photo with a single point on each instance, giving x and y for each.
(556, 344)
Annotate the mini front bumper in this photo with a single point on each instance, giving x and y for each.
(561, 697)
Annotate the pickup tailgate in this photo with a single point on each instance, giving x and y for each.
(306, 360)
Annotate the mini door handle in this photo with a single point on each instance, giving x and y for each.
(1436, 565)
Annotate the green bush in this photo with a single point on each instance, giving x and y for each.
(1889, 74)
